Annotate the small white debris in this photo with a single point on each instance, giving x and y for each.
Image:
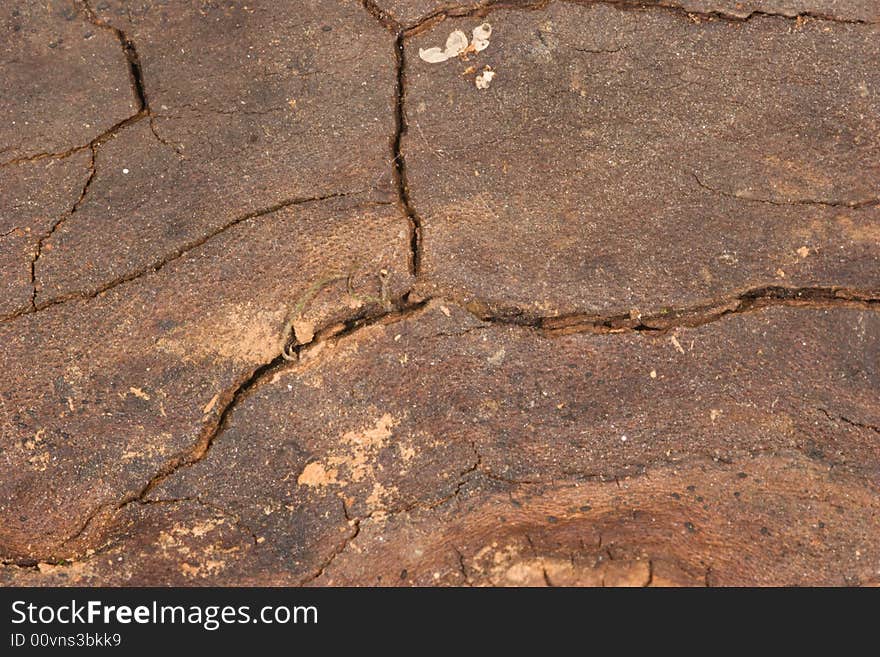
(125, 171)
(623, 439)
(803, 252)
(484, 79)
(653, 374)
(676, 344)
(481, 36)
(497, 357)
(432, 55)
(457, 44)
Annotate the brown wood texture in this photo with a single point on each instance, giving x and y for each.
(287, 304)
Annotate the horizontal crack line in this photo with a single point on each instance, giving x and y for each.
(852, 205)
(102, 138)
(721, 14)
(689, 317)
(484, 7)
(405, 308)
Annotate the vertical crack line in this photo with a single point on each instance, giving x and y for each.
(135, 70)
(415, 223)
(38, 251)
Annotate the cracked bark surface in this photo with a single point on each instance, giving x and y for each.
(277, 316)
(64, 82)
(414, 13)
(632, 150)
(241, 117)
(34, 197)
(402, 445)
(109, 391)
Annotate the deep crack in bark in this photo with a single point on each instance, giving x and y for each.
(688, 317)
(319, 572)
(415, 223)
(853, 423)
(135, 70)
(135, 74)
(400, 129)
(405, 308)
(229, 399)
(143, 110)
(817, 297)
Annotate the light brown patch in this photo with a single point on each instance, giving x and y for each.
(315, 475)
(237, 333)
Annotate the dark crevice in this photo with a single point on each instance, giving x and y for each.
(23, 564)
(135, 73)
(136, 76)
(319, 572)
(481, 9)
(540, 559)
(385, 19)
(462, 568)
(815, 297)
(852, 423)
(415, 223)
(747, 301)
(161, 139)
(102, 138)
(404, 308)
(199, 451)
(135, 70)
(400, 128)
